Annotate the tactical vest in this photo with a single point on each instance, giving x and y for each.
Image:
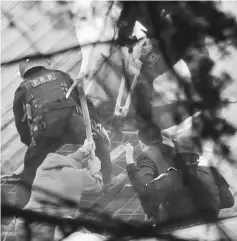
(47, 92)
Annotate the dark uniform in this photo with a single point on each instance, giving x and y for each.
(150, 164)
(169, 182)
(167, 197)
(45, 119)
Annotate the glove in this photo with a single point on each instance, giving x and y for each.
(87, 146)
(101, 132)
(123, 111)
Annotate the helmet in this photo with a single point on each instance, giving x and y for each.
(149, 133)
(28, 64)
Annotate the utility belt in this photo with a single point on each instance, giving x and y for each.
(38, 124)
(35, 116)
(54, 105)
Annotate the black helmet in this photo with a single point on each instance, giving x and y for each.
(28, 64)
(150, 133)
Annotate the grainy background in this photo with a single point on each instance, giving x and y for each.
(27, 28)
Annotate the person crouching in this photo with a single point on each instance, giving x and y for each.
(186, 192)
(64, 177)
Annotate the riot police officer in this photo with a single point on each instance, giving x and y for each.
(45, 119)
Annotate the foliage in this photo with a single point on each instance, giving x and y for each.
(200, 20)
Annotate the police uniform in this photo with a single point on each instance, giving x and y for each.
(149, 165)
(41, 98)
(169, 197)
(45, 119)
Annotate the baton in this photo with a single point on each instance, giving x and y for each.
(85, 112)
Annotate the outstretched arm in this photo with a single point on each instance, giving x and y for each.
(142, 175)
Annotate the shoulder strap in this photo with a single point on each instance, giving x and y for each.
(29, 94)
(27, 85)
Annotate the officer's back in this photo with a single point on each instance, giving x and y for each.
(41, 92)
(45, 87)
